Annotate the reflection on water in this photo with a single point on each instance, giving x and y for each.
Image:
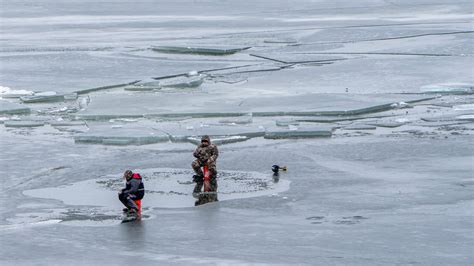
(134, 232)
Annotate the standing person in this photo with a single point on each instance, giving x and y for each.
(134, 190)
(206, 154)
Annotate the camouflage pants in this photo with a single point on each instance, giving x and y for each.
(200, 176)
(196, 165)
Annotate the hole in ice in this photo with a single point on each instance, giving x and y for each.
(165, 188)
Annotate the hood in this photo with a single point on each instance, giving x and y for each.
(206, 137)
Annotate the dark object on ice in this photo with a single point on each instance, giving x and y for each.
(276, 172)
(133, 192)
(130, 216)
(277, 168)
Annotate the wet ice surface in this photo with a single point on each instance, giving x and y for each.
(94, 202)
(368, 103)
(165, 188)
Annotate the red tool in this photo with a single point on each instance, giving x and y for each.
(207, 179)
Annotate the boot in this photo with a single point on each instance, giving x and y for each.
(132, 212)
(197, 189)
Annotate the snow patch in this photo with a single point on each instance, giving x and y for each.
(6, 92)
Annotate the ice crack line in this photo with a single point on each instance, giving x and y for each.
(393, 38)
(374, 53)
(233, 34)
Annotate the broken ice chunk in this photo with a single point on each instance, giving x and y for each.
(103, 117)
(47, 96)
(387, 124)
(70, 96)
(13, 108)
(179, 132)
(400, 105)
(199, 50)
(286, 122)
(449, 88)
(200, 105)
(292, 127)
(140, 88)
(402, 120)
(123, 120)
(219, 140)
(360, 127)
(85, 91)
(299, 133)
(61, 110)
(46, 93)
(283, 41)
(443, 118)
(465, 117)
(66, 123)
(192, 73)
(24, 123)
(124, 136)
(248, 119)
(117, 141)
(464, 107)
(144, 86)
(333, 119)
(84, 102)
(182, 82)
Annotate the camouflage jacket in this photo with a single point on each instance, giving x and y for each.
(206, 154)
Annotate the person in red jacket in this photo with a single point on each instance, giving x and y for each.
(134, 190)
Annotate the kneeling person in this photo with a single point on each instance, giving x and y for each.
(134, 190)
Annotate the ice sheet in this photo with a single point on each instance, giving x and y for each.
(385, 196)
(297, 132)
(13, 108)
(107, 106)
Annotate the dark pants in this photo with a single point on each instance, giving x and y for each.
(127, 200)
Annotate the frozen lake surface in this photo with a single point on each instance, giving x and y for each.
(368, 103)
